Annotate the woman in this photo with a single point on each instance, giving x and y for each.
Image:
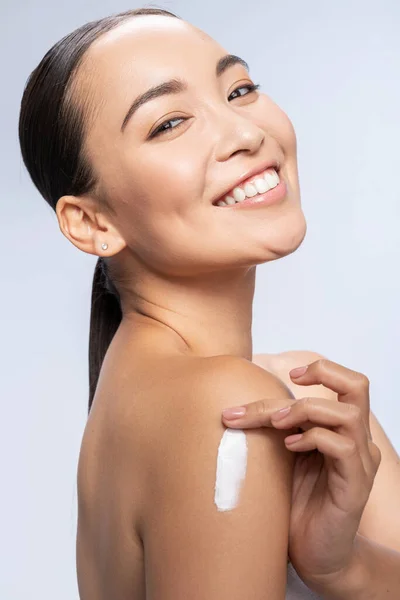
(159, 155)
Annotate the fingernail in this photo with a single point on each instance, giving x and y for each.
(279, 414)
(234, 413)
(298, 371)
(292, 439)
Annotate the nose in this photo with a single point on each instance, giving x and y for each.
(234, 132)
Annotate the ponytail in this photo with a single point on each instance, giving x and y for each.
(52, 135)
(105, 318)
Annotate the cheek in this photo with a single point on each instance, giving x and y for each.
(276, 122)
(166, 177)
(174, 183)
(160, 206)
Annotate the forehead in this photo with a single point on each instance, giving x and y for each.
(147, 47)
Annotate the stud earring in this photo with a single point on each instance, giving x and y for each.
(104, 246)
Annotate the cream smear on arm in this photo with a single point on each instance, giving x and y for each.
(231, 469)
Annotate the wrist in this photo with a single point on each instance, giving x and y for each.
(372, 574)
(355, 579)
(351, 582)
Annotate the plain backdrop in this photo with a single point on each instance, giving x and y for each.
(334, 68)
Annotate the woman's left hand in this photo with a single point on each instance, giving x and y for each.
(335, 466)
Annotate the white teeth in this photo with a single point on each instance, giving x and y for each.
(260, 185)
(239, 194)
(250, 190)
(272, 179)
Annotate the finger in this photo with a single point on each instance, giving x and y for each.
(346, 419)
(376, 454)
(351, 386)
(340, 449)
(258, 413)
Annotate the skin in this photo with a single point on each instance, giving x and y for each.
(331, 486)
(152, 204)
(198, 296)
(380, 520)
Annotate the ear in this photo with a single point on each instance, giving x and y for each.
(86, 227)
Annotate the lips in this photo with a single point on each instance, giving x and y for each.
(247, 176)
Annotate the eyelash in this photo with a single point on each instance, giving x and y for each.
(159, 131)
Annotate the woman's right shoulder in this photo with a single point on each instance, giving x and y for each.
(182, 388)
(231, 371)
(165, 402)
(176, 385)
(225, 380)
(185, 401)
(183, 433)
(147, 410)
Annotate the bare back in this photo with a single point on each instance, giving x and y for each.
(111, 497)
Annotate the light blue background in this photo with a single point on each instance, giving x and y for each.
(334, 68)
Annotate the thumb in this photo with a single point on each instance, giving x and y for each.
(255, 414)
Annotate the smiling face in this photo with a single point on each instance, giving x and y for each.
(216, 130)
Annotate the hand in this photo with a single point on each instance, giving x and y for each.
(334, 469)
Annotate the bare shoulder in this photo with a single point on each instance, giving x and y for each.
(237, 374)
(281, 363)
(147, 463)
(287, 359)
(189, 394)
(181, 523)
(203, 384)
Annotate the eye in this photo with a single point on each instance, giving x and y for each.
(162, 128)
(252, 87)
(165, 127)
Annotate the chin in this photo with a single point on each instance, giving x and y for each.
(285, 237)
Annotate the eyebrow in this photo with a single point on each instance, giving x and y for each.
(175, 86)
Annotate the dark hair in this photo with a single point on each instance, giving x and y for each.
(51, 135)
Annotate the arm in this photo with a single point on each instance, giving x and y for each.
(191, 549)
(381, 517)
(374, 574)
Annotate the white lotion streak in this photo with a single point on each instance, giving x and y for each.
(231, 468)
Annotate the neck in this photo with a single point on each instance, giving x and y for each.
(205, 316)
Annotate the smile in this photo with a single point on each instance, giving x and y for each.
(260, 184)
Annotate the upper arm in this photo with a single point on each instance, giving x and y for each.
(191, 549)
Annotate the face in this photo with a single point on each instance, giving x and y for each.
(161, 187)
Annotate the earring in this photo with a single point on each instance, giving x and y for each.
(104, 246)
